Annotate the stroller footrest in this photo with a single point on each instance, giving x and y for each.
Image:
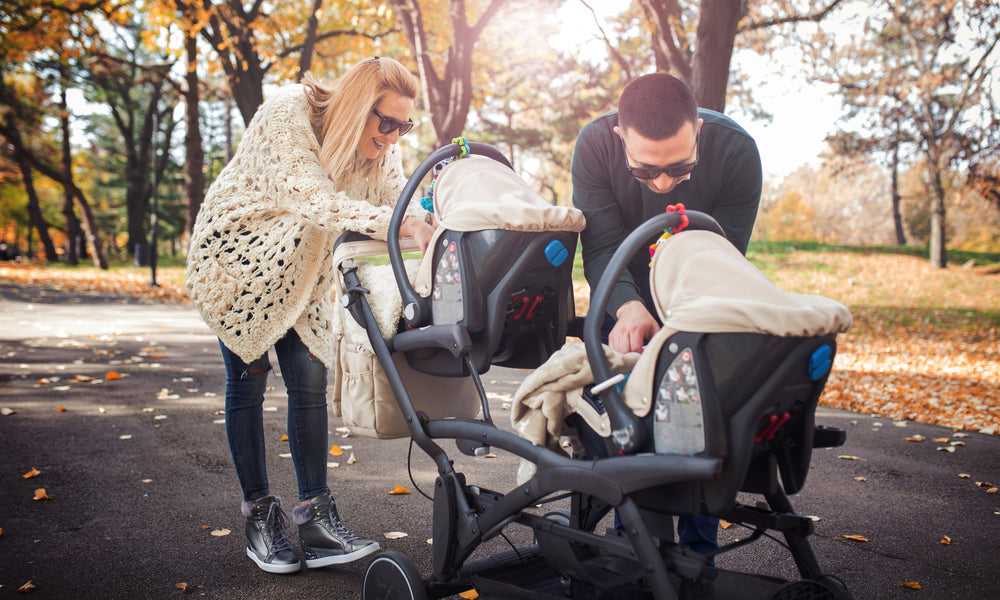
(829, 437)
(764, 518)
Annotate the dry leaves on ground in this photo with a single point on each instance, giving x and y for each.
(129, 283)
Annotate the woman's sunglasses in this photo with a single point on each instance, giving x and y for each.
(649, 173)
(387, 125)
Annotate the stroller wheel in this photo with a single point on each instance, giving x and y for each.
(393, 576)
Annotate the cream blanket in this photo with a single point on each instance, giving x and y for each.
(554, 391)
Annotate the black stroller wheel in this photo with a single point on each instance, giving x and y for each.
(393, 576)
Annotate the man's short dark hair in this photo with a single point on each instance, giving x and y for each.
(656, 106)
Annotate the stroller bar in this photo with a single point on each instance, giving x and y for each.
(626, 430)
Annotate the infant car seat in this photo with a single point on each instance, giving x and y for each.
(499, 271)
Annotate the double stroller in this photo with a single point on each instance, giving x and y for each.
(717, 412)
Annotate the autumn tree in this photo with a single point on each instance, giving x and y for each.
(57, 34)
(249, 40)
(922, 71)
(695, 40)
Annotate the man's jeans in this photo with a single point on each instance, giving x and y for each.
(305, 381)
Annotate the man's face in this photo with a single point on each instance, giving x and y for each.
(666, 162)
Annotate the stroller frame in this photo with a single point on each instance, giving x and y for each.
(465, 515)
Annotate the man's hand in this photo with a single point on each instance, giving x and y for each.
(635, 326)
(417, 229)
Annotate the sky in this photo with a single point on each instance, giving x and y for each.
(803, 115)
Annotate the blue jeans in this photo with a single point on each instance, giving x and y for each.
(305, 381)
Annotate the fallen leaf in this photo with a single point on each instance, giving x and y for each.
(335, 450)
(221, 532)
(147, 481)
(941, 440)
(992, 490)
(400, 490)
(469, 595)
(848, 457)
(32, 473)
(110, 375)
(127, 436)
(204, 527)
(182, 586)
(84, 378)
(964, 476)
(41, 495)
(394, 535)
(946, 540)
(284, 437)
(7, 411)
(333, 465)
(351, 460)
(913, 585)
(984, 484)
(914, 438)
(946, 449)
(725, 524)
(856, 538)
(27, 587)
(860, 479)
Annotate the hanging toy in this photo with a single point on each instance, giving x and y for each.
(427, 202)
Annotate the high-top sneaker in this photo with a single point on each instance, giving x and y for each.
(267, 543)
(324, 539)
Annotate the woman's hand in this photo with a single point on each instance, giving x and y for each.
(418, 230)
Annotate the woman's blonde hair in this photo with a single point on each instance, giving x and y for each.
(340, 111)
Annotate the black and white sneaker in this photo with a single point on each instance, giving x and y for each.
(267, 543)
(324, 539)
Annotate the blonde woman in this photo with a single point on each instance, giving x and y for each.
(315, 161)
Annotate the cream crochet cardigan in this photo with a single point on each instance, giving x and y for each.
(260, 259)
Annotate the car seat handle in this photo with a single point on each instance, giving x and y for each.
(626, 431)
(416, 308)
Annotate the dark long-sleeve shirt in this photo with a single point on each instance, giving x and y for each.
(726, 184)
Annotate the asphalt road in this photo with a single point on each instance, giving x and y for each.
(142, 490)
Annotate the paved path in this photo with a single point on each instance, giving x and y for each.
(141, 480)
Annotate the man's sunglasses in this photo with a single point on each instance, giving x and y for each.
(650, 173)
(387, 125)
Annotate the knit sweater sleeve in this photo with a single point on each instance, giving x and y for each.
(281, 136)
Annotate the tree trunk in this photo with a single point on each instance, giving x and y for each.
(90, 230)
(448, 98)
(670, 57)
(70, 224)
(717, 25)
(309, 45)
(938, 249)
(897, 218)
(34, 209)
(194, 172)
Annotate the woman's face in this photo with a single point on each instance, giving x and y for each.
(393, 105)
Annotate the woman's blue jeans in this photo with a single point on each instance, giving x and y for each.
(305, 382)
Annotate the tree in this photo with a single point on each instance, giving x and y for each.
(703, 59)
(250, 39)
(923, 68)
(447, 88)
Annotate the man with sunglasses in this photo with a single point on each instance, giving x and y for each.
(659, 149)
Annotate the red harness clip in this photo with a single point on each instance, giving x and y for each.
(678, 208)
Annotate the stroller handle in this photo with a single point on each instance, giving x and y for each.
(625, 430)
(416, 309)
